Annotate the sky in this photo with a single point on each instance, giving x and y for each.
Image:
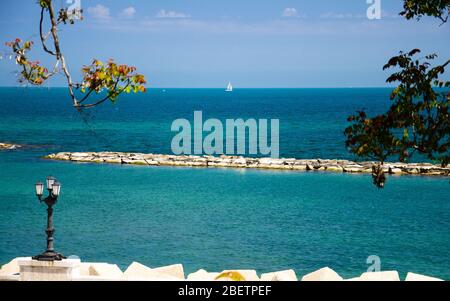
(252, 43)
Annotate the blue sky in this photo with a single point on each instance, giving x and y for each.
(206, 43)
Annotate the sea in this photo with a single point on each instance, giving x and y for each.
(212, 218)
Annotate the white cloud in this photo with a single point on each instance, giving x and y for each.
(171, 14)
(286, 27)
(336, 24)
(99, 12)
(128, 12)
(290, 12)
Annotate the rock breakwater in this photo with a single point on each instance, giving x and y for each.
(8, 146)
(344, 166)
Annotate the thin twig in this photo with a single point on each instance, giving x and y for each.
(43, 38)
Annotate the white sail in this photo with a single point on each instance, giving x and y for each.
(229, 87)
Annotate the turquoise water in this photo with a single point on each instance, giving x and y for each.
(214, 218)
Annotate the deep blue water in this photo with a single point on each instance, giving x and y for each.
(312, 121)
(214, 218)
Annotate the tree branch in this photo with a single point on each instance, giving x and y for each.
(41, 33)
(86, 96)
(107, 96)
(59, 55)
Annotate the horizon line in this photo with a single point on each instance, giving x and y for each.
(234, 88)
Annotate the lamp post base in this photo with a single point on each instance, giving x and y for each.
(49, 256)
(61, 270)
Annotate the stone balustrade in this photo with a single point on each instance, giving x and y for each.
(289, 164)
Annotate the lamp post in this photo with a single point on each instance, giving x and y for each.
(54, 188)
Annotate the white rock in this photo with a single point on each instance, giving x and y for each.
(299, 167)
(9, 146)
(113, 160)
(287, 275)
(84, 268)
(202, 275)
(175, 270)
(139, 162)
(82, 159)
(240, 161)
(352, 168)
(335, 168)
(9, 277)
(11, 267)
(270, 161)
(324, 274)
(380, 276)
(417, 277)
(395, 171)
(140, 272)
(105, 270)
(280, 166)
(151, 162)
(81, 154)
(137, 270)
(97, 160)
(197, 163)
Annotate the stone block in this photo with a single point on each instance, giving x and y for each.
(174, 270)
(417, 277)
(324, 274)
(105, 270)
(11, 267)
(202, 275)
(380, 276)
(139, 272)
(287, 275)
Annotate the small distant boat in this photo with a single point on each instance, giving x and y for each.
(229, 87)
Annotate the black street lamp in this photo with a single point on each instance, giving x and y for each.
(54, 188)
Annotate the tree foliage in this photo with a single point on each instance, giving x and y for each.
(110, 78)
(418, 120)
(434, 8)
(32, 72)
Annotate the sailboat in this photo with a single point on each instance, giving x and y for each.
(229, 87)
